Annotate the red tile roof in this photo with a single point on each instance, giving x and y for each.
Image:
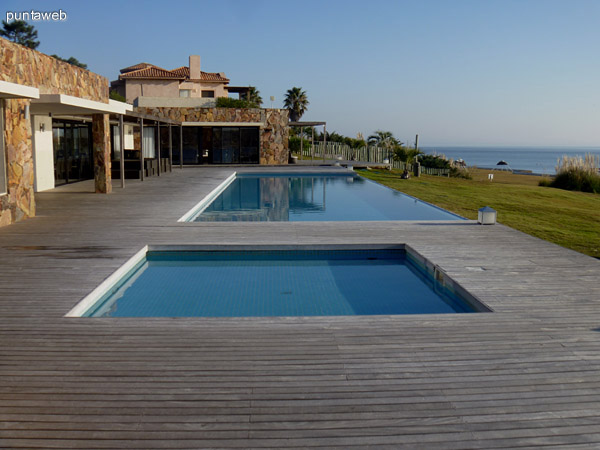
(151, 72)
(145, 71)
(136, 67)
(184, 71)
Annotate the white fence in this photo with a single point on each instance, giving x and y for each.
(366, 154)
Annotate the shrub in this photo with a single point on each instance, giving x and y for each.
(294, 144)
(578, 174)
(434, 161)
(114, 95)
(227, 102)
(405, 154)
(545, 182)
(460, 172)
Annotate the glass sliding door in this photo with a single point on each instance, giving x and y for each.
(230, 145)
(191, 149)
(73, 160)
(249, 146)
(234, 145)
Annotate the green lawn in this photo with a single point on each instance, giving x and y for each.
(570, 219)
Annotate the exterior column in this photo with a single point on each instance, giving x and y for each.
(158, 147)
(122, 149)
(181, 146)
(101, 139)
(170, 149)
(142, 149)
(17, 201)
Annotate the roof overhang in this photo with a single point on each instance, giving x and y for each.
(223, 124)
(14, 90)
(61, 104)
(306, 124)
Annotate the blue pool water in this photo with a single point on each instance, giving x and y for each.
(284, 198)
(277, 283)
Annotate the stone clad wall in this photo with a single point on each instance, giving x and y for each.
(273, 136)
(19, 202)
(22, 65)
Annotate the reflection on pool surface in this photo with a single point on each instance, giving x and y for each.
(278, 283)
(283, 198)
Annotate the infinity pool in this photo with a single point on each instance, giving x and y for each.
(278, 283)
(306, 197)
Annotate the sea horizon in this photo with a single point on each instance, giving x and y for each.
(536, 159)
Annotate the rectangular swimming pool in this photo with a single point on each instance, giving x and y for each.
(265, 283)
(310, 197)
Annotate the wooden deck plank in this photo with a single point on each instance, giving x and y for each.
(525, 375)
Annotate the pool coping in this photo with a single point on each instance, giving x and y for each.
(207, 200)
(199, 207)
(112, 282)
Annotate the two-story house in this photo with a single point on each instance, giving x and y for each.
(143, 84)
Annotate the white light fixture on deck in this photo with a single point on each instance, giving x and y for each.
(487, 216)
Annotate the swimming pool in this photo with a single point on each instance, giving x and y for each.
(309, 197)
(266, 283)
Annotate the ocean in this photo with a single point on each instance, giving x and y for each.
(539, 160)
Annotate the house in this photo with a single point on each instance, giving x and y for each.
(148, 85)
(210, 135)
(54, 128)
(59, 126)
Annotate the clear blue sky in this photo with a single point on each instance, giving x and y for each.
(485, 72)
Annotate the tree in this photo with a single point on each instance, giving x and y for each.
(254, 97)
(384, 139)
(72, 60)
(297, 102)
(20, 32)
(405, 154)
(114, 95)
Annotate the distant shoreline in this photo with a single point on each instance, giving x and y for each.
(514, 171)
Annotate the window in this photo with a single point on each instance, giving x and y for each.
(149, 143)
(184, 92)
(2, 152)
(208, 94)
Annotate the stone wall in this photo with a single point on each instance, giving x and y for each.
(101, 144)
(274, 133)
(21, 65)
(19, 202)
(274, 147)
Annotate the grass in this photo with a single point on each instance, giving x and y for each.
(570, 219)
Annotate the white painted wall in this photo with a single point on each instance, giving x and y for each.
(178, 102)
(43, 153)
(128, 132)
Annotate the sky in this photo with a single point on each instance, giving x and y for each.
(455, 72)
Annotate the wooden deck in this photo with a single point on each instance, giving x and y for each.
(525, 376)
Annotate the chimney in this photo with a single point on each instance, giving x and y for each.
(195, 67)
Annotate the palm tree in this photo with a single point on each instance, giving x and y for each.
(253, 96)
(296, 101)
(383, 139)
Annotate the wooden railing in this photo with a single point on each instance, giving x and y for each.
(366, 154)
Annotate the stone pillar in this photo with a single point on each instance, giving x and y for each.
(19, 202)
(101, 139)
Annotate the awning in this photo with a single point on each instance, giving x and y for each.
(60, 104)
(14, 90)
